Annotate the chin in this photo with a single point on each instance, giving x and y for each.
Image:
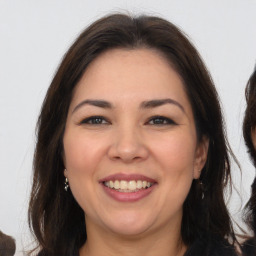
(129, 225)
(129, 232)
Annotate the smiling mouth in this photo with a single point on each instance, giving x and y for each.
(128, 186)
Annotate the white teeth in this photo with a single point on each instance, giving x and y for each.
(123, 184)
(128, 186)
(111, 184)
(116, 184)
(132, 185)
(139, 184)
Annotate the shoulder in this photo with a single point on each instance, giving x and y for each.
(211, 246)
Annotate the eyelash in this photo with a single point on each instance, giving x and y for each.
(161, 120)
(95, 120)
(100, 120)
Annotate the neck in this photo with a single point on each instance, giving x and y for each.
(164, 241)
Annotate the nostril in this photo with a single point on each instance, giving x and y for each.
(135, 153)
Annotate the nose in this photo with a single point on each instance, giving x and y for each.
(128, 146)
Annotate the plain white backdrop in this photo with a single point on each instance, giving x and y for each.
(34, 35)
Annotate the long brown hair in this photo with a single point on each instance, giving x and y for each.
(248, 127)
(54, 216)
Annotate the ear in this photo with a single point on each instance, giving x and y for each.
(200, 156)
(65, 173)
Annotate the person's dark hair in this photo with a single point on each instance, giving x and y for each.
(7, 245)
(250, 115)
(54, 216)
(248, 126)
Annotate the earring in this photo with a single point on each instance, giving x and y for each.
(66, 185)
(202, 188)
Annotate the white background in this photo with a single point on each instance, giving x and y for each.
(34, 35)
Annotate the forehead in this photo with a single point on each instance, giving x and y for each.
(142, 72)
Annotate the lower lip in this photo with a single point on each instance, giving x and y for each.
(128, 196)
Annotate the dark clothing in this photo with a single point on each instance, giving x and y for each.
(249, 247)
(207, 246)
(211, 246)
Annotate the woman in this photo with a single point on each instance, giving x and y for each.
(131, 126)
(249, 131)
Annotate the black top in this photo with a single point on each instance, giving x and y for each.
(206, 246)
(211, 246)
(249, 247)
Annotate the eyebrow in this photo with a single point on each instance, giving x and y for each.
(160, 102)
(144, 104)
(96, 103)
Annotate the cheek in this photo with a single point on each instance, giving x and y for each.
(176, 157)
(177, 164)
(176, 153)
(81, 161)
(82, 157)
(82, 153)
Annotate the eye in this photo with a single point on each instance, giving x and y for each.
(95, 120)
(160, 120)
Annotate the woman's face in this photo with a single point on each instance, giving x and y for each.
(130, 143)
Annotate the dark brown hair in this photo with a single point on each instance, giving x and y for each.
(7, 245)
(54, 216)
(250, 115)
(248, 126)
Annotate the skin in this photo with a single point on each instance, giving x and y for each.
(128, 139)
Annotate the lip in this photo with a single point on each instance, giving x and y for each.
(127, 196)
(130, 196)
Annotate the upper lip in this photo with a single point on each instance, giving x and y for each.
(127, 177)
